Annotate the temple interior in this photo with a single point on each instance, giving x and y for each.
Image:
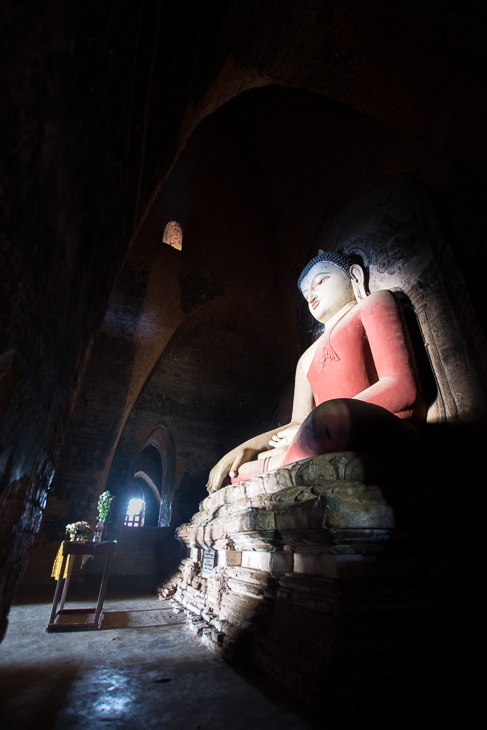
(168, 170)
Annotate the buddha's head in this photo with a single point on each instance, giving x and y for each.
(329, 282)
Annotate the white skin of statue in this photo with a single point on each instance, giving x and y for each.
(330, 293)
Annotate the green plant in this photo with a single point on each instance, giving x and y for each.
(105, 506)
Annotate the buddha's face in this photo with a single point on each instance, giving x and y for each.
(327, 289)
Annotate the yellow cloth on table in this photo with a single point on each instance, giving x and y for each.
(56, 568)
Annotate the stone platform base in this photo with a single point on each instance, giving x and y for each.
(332, 575)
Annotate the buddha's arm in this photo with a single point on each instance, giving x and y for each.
(303, 404)
(230, 463)
(397, 388)
(249, 450)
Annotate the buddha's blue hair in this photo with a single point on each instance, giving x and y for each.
(339, 259)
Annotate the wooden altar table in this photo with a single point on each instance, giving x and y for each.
(69, 552)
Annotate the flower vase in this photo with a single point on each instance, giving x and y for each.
(99, 532)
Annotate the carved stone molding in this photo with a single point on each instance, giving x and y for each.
(310, 554)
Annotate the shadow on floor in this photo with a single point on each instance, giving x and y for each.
(32, 696)
(117, 589)
(128, 675)
(135, 619)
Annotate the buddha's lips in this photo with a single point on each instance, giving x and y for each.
(315, 304)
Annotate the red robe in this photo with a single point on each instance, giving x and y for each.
(366, 355)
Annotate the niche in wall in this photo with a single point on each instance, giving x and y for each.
(154, 476)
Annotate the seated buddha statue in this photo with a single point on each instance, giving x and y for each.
(356, 387)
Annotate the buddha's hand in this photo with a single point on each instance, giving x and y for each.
(230, 464)
(284, 437)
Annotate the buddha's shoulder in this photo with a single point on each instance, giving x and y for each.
(376, 299)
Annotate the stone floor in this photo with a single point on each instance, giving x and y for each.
(143, 669)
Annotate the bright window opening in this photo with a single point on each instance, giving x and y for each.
(173, 235)
(135, 513)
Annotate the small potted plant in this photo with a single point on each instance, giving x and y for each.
(104, 507)
(78, 531)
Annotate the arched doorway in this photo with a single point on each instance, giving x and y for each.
(150, 494)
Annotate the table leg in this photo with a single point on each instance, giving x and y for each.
(103, 588)
(66, 582)
(58, 591)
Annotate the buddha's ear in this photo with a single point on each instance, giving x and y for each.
(358, 282)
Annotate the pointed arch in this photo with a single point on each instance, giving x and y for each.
(162, 440)
(173, 235)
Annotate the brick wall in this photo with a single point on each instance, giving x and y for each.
(141, 551)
